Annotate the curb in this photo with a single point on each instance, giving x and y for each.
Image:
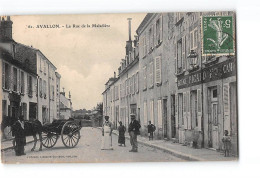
(166, 150)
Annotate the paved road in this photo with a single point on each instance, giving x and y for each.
(88, 150)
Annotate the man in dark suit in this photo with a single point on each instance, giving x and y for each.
(20, 138)
(133, 130)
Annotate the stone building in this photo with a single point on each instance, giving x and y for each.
(41, 82)
(65, 106)
(19, 79)
(189, 95)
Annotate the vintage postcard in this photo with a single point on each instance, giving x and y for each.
(143, 87)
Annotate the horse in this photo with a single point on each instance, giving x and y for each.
(31, 128)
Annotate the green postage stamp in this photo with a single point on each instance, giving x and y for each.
(218, 35)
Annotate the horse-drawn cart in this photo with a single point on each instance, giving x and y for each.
(69, 130)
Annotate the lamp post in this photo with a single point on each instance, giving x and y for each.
(193, 58)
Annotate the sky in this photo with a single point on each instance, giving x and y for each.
(85, 57)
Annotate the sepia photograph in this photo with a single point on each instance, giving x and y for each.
(123, 87)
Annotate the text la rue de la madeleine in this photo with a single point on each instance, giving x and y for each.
(68, 26)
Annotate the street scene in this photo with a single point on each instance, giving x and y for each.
(155, 87)
(88, 150)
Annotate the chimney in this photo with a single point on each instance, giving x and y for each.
(69, 95)
(128, 46)
(6, 26)
(114, 74)
(129, 28)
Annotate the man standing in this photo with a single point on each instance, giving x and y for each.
(133, 130)
(20, 138)
(151, 129)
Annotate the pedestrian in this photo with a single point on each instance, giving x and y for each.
(121, 136)
(107, 135)
(227, 143)
(151, 129)
(19, 134)
(133, 130)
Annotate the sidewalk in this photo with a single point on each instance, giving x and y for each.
(181, 151)
(8, 144)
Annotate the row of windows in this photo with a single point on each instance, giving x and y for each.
(152, 37)
(14, 79)
(152, 72)
(43, 68)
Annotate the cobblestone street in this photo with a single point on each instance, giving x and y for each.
(88, 150)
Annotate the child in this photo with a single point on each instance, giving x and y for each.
(151, 129)
(227, 143)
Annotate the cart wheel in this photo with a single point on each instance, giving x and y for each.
(49, 139)
(70, 134)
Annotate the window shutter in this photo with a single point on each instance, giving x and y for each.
(199, 108)
(141, 47)
(145, 77)
(151, 74)
(151, 112)
(158, 70)
(209, 101)
(185, 110)
(151, 37)
(154, 35)
(148, 42)
(3, 74)
(159, 109)
(188, 110)
(145, 113)
(219, 108)
(184, 52)
(134, 84)
(176, 111)
(28, 84)
(226, 102)
(161, 28)
(191, 40)
(175, 57)
(137, 82)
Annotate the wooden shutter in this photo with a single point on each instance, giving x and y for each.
(176, 111)
(154, 35)
(137, 82)
(151, 37)
(185, 110)
(158, 70)
(145, 113)
(28, 84)
(175, 57)
(151, 112)
(188, 110)
(3, 74)
(148, 41)
(151, 74)
(226, 102)
(161, 28)
(199, 105)
(145, 77)
(159, 109)
(184, 52)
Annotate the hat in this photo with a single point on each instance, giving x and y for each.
(132, 114)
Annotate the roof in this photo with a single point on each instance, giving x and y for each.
(144, 22)
(37, 50)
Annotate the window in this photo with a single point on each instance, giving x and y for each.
(158, 71)
(22, 82)
(151, 112)
(137, 82)
(159, 24)
(159, 112)
(193, 39)
(215, 93)
(44, 89)
(151, 34)
(180, 109)
(179, 56)
(30, 86)
(52, 90)
(15, 79)
(151, 77)
(6, 76)
(40, 87)
(145, 78)
(145, 113)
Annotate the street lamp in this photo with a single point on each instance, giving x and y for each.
(193, 58)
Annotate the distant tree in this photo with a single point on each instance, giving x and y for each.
(99, 108)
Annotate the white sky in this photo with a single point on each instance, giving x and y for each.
(85, 58)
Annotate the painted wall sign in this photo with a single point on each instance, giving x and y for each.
(222, 70)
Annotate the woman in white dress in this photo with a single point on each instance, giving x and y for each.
(107, 135)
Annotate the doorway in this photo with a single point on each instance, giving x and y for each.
(173, 119)
(165, 118)
(213, 118)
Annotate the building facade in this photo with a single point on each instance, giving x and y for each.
(190, 97)
(65, 106)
